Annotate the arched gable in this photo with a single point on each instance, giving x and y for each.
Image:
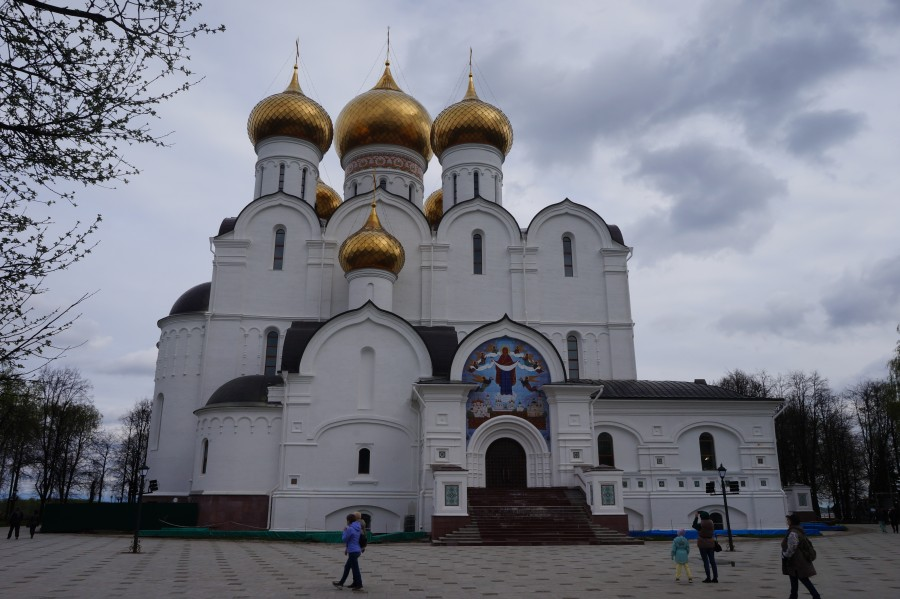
(351, 215)
(572, 209)
(509, 328)
(708, 424)
(485, 209)
(316, 434)
(263, 204)
(369, 312)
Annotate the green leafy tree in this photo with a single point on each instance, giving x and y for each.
(79, 81)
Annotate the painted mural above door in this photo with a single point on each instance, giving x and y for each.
(510, 375)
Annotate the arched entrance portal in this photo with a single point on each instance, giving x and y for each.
(505, 465)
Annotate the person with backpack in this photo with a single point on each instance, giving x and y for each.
(797, 555)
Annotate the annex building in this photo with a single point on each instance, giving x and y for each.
(387, 348)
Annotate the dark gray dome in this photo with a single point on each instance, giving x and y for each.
(195, 299)
(253, 388)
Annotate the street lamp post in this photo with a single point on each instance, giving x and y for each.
(722, 472)
(137, 521)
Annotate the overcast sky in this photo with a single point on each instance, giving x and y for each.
(748, 151)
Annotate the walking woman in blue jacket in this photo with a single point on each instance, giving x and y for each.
(350, 537)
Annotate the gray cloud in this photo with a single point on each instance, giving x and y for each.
(780, 317)
(812, 134)
(868, 297)
(719, 197)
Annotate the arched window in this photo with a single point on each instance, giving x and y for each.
(475, 181)
(355, 189)
(271, 353)
(454, 189)
(477, 254)
(303, 185)
(572, 352)
(278, 259)
(410, 192)
(605, 454)
(707, 452)
(281, 177)
(716, 517)
(382, 183)
(365, 457)
(568, 263)
(205, 456)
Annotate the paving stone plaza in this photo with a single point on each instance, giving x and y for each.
(862, 562)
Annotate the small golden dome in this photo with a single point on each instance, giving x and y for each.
(291, 114)
(434, 208)
(384, 115)
(372, 247)
(327, 200)
(471, 121)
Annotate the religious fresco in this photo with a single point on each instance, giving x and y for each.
(509, 374)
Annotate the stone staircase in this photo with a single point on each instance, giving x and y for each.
(541, 516)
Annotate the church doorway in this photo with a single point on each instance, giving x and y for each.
(505, 465)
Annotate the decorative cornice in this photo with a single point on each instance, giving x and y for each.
(381, 161)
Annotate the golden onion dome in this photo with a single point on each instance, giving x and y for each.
(384, 115)
(434, 208)
(291, 114)
(372, 247)
(327, 200)
(471, 121)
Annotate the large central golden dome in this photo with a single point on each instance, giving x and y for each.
(384, 115)
(372, 247)
(291, 114)
(471, 121)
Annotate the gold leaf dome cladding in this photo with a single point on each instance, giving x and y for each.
(384, 115)
(291, 114)
(327, 200)
(471, 121)
(434, 208)
(372, 247)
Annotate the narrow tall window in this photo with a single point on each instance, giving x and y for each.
(278, 259)
(572, 351)
(707, 452)
(281, 177)
(382, 183)
(410, 192)
(303, 185)
(477, 259)
(475, 181)
(262, 172)
(205, 456)
(567, 256)
(454, 189)
(271, 353)
(365, 457)
(605, 454)
(355, 189)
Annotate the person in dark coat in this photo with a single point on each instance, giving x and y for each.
(706, 544)
(794, 562)
(894, 515)
(33, 522)
(15, 521)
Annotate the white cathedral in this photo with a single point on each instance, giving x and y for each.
(386, 353)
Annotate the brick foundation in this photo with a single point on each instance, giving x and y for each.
(616, 523)
(443, 525)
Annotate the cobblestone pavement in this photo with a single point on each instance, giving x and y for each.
(862, 562)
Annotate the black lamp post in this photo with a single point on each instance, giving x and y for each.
(137, 522)
(722, 472)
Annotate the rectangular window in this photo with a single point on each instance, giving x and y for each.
(572, 353)
(640, 484)
(743, 483)
(660, 461)
(607, 494)
(696, 484)
(760, 460)
(661, 484)
(681, 484)
(801, 499)
(763, 483)
(477, 259)
(451, 495)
